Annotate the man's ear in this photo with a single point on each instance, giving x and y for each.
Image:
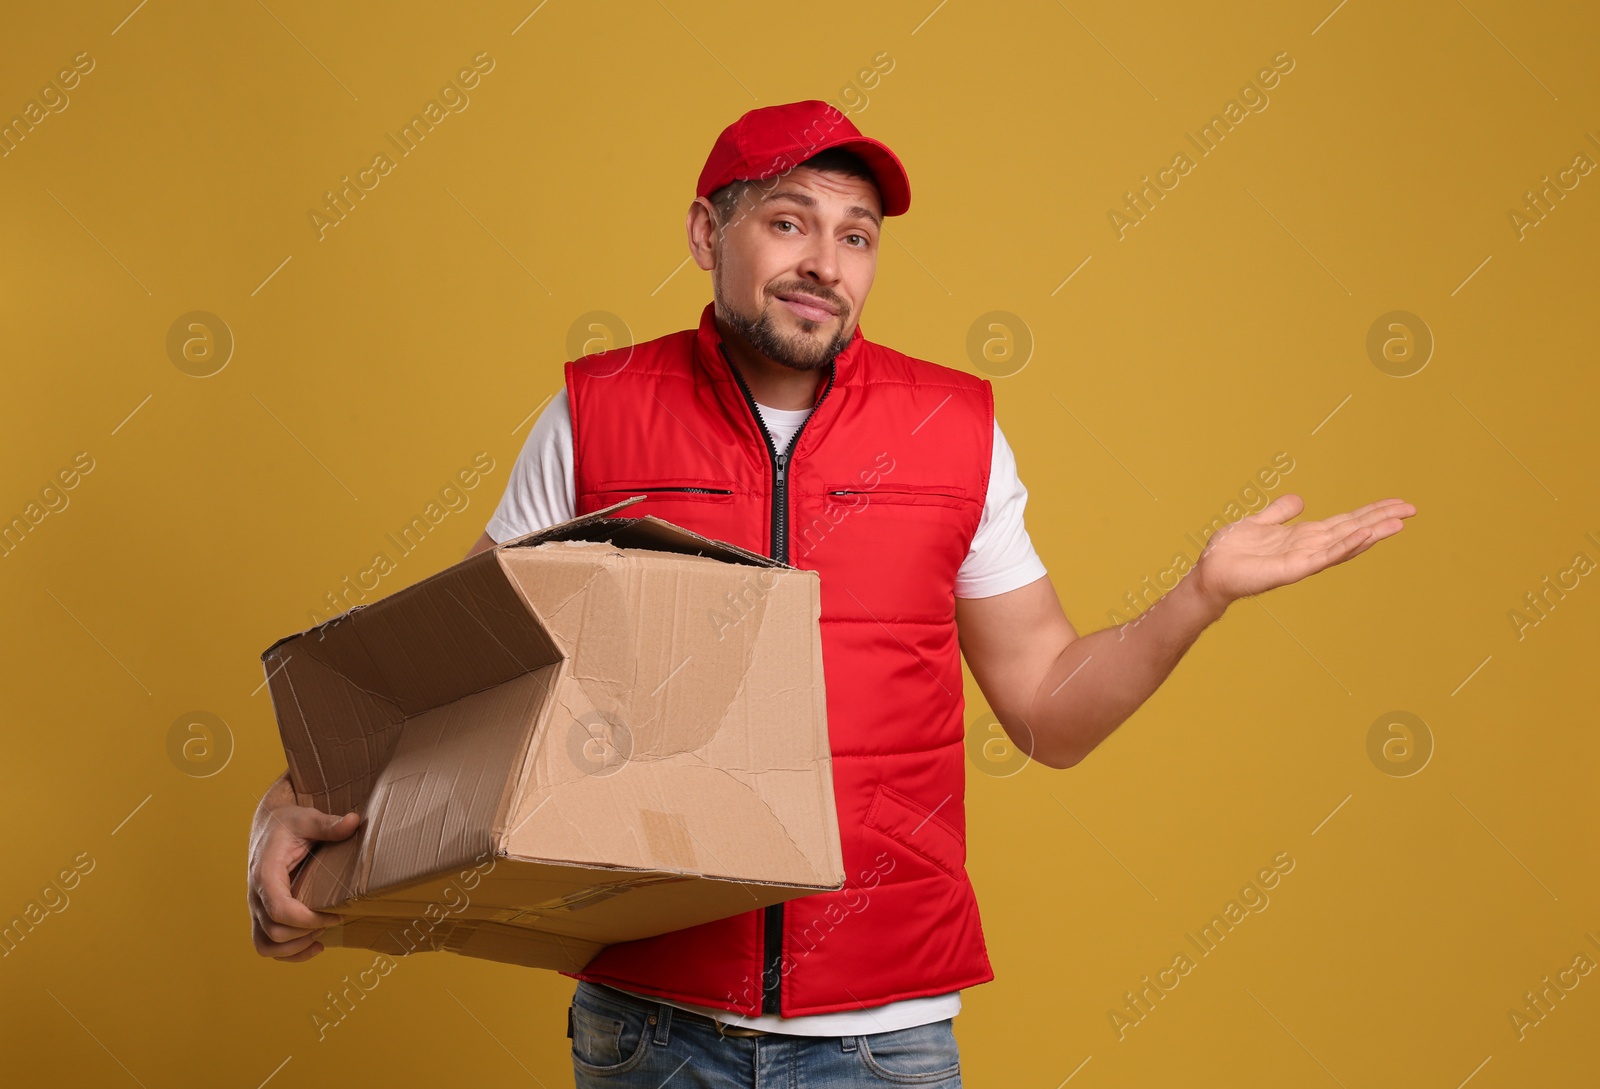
(702, 228)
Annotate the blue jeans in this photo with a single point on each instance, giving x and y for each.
(618, 1040)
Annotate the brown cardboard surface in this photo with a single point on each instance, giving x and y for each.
(605, 730)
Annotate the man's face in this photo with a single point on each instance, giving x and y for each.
(793, 266)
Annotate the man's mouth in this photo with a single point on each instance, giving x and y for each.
(809, 306)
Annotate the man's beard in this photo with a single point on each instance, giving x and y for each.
(796, 351)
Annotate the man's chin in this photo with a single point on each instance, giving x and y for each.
(809, 326)
(809, 361)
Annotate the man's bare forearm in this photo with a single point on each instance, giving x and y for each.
(1103, 677)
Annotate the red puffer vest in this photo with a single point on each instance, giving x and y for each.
(880, 493)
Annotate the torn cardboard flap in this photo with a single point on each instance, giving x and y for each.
(601, 731)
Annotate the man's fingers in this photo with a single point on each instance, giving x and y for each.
(1382, 508)
(278, 932)
(294, 828)
(269, 948)
(305, 954)
(317, 826)
(1349, 545)
(279, 903)
(1279, 511)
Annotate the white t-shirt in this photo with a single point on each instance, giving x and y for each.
(540, 493)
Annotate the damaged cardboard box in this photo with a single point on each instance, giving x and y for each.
(602, 731)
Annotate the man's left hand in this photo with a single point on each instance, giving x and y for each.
(1259, 552)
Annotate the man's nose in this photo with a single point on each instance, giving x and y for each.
(820, 263)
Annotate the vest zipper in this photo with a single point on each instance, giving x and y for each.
(772, 915)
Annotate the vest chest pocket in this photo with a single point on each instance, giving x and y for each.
(693, 491)
(894, 532)
(933, 495)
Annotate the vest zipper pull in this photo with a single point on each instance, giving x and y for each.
(783, 465)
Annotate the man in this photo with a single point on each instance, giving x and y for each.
(778, 426)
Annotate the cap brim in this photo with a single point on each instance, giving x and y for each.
(894, 187)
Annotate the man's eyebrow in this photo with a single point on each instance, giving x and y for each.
(855, 211)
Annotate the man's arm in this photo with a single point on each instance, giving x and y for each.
(1059, 695)
(483, 544)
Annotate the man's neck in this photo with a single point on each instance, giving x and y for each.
(771, 384)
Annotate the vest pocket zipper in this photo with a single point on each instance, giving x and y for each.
(902, 494)
(654, 488)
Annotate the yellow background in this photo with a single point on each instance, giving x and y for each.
(1230, 325)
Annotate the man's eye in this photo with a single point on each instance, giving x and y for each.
(865, 241)
(783, 223)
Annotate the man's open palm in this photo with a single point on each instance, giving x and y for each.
(1259, 551)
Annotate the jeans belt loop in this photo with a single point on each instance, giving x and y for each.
(663, 1020)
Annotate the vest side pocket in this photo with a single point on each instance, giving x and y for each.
(917, 828)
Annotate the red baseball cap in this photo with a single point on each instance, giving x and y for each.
(774, 139)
